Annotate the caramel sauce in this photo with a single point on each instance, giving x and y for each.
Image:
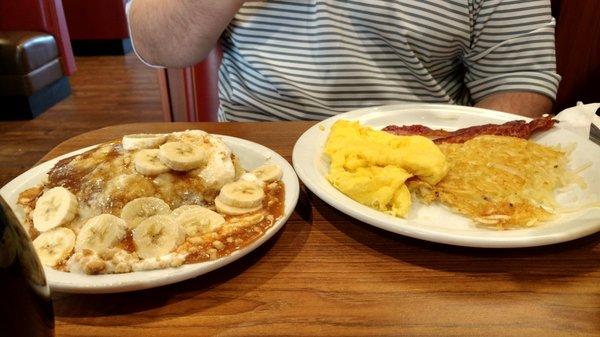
(70, 176)
(244, 236)
(90, 174)
(127, 242)
(62, 266)
(199, 256)
(276, 208)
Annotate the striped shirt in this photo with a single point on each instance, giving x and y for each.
(311, 59)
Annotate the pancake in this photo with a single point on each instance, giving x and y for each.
(150, 202)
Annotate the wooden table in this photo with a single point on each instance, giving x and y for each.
(326, 274)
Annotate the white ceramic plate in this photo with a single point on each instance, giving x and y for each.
(251, 155)
(436, 223)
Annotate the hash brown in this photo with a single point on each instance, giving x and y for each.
(498, 181)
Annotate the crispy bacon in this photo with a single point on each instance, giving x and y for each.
(519, 129)
(407, 130)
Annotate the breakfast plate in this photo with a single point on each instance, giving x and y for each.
(437, 223)
(249, 154)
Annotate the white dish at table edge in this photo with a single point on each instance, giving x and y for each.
(250, 154)
(435, 222)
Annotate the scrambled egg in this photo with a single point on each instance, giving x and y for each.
(372, 166)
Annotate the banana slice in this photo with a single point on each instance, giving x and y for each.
(137, 210)
(181, 209)
(247, 176)
(100, 233)
(55, 246)
(54, 208)
(232, 210)
(268, 173)
(157, 236)
(147, 163)
(194, 133)
(181, 156)
(197, 219)
(188, 136)
(142, 141)
(243, 194)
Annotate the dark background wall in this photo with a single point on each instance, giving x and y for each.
(577, 51)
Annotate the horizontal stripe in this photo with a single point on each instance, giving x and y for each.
(295, 60)
(418, 35)
(406, 76)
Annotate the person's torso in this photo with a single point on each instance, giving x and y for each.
(313, 59)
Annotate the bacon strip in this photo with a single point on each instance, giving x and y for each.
(407, 130)
(519, 129)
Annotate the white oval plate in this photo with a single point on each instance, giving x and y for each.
(436, 223)
(251, 155)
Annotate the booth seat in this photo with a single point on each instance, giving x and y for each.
(35, 57)
(31, 77)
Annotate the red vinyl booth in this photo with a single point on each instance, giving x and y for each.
(98, 26)
(191, 94)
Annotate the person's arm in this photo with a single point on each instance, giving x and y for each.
(527, 104)
(511, 64)
(178, 33)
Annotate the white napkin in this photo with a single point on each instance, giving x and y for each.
(578, 118)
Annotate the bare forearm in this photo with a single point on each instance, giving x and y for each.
(527, 104)
(178, 33)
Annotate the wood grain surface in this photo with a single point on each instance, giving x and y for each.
(326, 274)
